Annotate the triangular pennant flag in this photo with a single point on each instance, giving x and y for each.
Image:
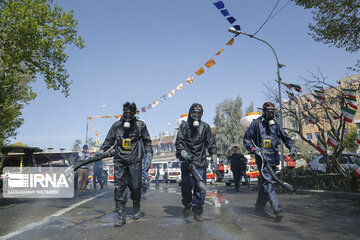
(143, 109)
(295, 86)
(352, 102)
(321, 100)
(348, 114)
(320, 94)
(321, 147)
(162, 98)
(200, 71)
(171, 93)
(210, 63)
(148, 107)
(219, 5)
(90, 118)
(225, 12)
(179, 87)
(189, 80)
(155, 103)
(231, 20)
(218, 53)
(332, 141)
(320, 88)
(230, 42)
(96, 132)
(97, 141)
(292, 97)
(117, 116)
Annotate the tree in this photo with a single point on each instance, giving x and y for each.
(227, 122)
(337, 23)
(91, 142)
(350, 139)
(33, 37)
(77, 145)
(250, 108)
(320, 109)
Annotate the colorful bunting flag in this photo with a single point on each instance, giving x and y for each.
(97, 141)
(357, 168)
(179, 87)
(225, 12)
(320, 94)
(189, 80)
(230, 42)
(171, 93)
(231, 20)
(352, 102)
(295, 86)
(332, 141)
(210, 63)
(162, 98)
(320, 88)
(307, 98)
(200, 71)
(351, 93)
(219, 5)
(292, 97)
(218, 53)
(321, 146)
(155, 103)
(237, 27)
(312, 119)
(148, 107)
(322, 101)
(143, 109)
(348, 114)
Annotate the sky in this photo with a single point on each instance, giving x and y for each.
(139, 50)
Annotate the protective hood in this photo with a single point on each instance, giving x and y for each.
(192, 109)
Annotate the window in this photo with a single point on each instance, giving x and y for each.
(306, 106)
(309, 136)
(317, 134)
(313, 105)
(293, 124)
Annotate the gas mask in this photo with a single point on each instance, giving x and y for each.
(269, 115)
(127, 116)
(196, 116)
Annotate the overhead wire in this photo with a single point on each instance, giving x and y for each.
(270, 16)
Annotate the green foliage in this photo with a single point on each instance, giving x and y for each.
(77, 145)
(227, 122)
(250, 108)
(336, 23)
(91, 142)
(350, 139)
(33, 37)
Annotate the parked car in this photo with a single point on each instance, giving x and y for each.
(251, 171)
(346, 161)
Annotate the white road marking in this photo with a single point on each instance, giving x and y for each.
(57, 214)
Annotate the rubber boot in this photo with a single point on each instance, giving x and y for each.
(198, 217)
(121, 215)
(136, 211)
(186, 212)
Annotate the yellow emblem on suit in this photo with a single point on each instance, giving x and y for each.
(267, 143)
(126, 143)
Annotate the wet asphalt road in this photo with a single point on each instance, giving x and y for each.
(227, 215)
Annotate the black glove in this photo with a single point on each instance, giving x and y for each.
(147, 162)
(188, 158)
(214, 166)
(99, 153)
(293, 153)
(256, 151)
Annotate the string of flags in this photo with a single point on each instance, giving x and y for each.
(221, 7)
(188, 81)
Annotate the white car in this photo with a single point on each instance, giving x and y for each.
(318, 163)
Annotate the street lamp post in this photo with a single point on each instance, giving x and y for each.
(278, 66)
(87, 121)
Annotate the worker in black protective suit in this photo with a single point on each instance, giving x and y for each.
(132, 141)
(193, 138)
(265, 133)
(238, 168)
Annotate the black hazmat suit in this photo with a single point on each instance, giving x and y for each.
(238, 166)
(130, 145)
(195, 141)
